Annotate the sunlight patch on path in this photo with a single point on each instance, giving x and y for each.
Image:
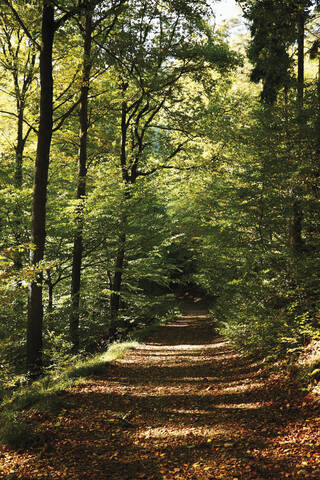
(242, 406)
(160, 432)
(243, 387)
(196, 348)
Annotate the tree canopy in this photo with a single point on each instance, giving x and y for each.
(145, 154)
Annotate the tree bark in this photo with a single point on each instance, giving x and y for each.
(318, 122)
(18, 180)
(19, 147)
(119, 261)
(81, 188)
(50, 291)
(295, 230)
(118, 269)
(301, 34)
(38, 227)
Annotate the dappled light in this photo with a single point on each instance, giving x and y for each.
(158, 413)
(159, 240)
(244, 406)
(161, 433)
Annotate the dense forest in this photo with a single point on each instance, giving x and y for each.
(145, 154)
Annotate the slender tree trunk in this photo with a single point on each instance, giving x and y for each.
(295, 231)
(38, 231)
(50, 292)
(301, 35)
(118, 269)
(50, 298)
(119, 261)
(318, 120)
(19, 148)
(18, 180)
(81, 189)
(315, 183)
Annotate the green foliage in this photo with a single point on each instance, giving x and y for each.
(15, 431)
(274, 29)
(43, 394)
(187, 171)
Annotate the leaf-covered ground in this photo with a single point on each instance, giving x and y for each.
(183, 406)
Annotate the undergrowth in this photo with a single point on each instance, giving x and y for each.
(43, 394)
(292, 348)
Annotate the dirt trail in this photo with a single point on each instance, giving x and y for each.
(184, 405)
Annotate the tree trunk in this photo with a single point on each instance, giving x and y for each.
(19, 147)
(295, 230)
(301, 34)
(81, 189)
(117, 278)
(119, 261)
(50, 297)
(38, 232)
(296, 240)
(318, 126)
(18, 180)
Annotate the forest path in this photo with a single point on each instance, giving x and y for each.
(184, 405)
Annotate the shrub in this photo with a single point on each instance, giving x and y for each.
(15, 431)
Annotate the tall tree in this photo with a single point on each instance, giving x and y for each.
(38, 232)
(295, 227)
(158, 46)
(17, 62)
(90, 25)
(49, 26)
(277, 27)
(81, 188)
(18, 59)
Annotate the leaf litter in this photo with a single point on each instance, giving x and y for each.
(183, 406)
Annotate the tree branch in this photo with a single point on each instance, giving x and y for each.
(5, 112)
(63, 117)
(161, 167)
(22, 24)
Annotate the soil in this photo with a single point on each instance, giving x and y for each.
(184, 405)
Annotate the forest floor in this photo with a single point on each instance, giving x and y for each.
(185, 405)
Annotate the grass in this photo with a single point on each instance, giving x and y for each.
(42, 394)
(15, 431)
(65, 377)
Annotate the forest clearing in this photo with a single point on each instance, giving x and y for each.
(153, 154)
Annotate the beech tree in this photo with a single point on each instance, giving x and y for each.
(169, 170)
(17, 63)
(90, 25)
(157, 47)
(49, 25)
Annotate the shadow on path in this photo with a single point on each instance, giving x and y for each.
(184, 405)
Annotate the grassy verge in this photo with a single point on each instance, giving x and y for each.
(42, 394)
(298, 362)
